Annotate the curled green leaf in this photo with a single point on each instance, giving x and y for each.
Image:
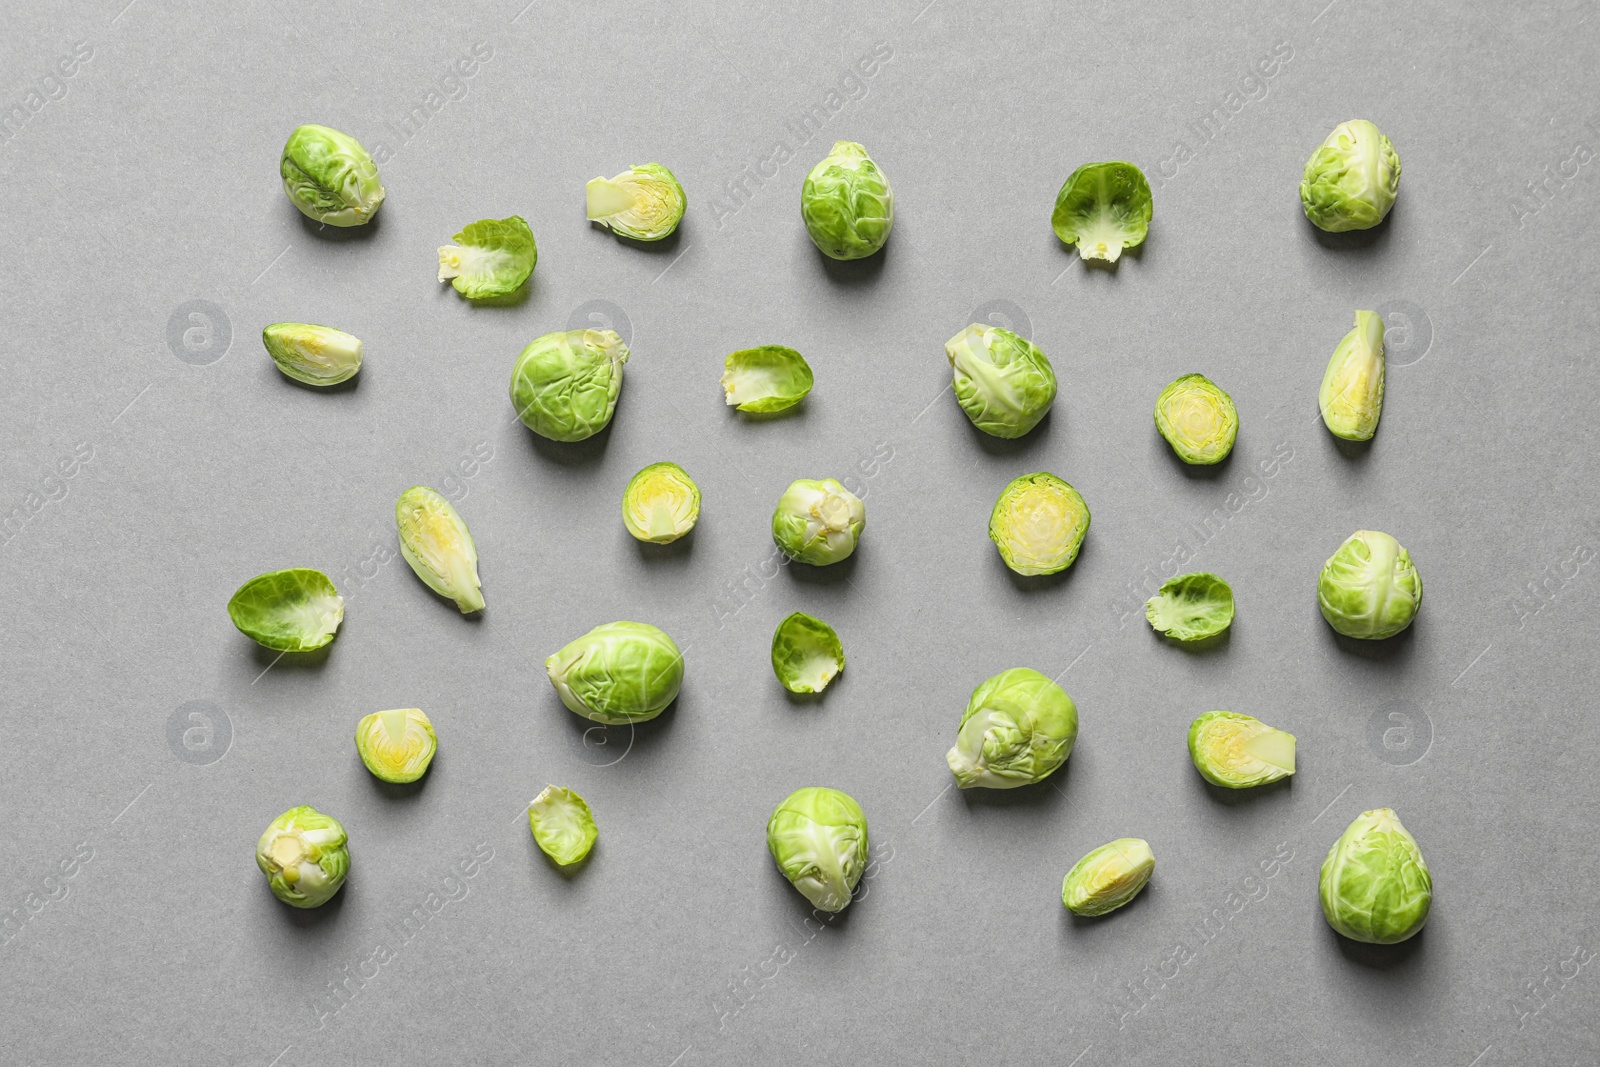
(294, 610)
(1191, 607)
(806, 653)
(491, 258)
(764, 379)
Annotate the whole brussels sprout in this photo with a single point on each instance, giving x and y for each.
(618, 673)
(1108, 877)
(1352, 179)
(847, 204)
(1236, 751)
(818, 838)
(436, 542)
(565, 384)
(1351, 397)
(1018, 728)
(491, 258)
(644, 202)
(806, 653)
(1198, 419)
(305, 857)
(398, 745)
(562, 825)
(1369, 587)
(330, 177)
(294, 610)
(1375, 886)
(1002, 381)
(661, 503)
(1038, 524)
(315, 355)
(1103, 208)
(818, 521)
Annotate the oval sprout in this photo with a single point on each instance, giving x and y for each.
(305, 856)
(1002, 381)
(847, 204)
(818, 839)
(1103, 208)
(644, 202)
(1018, 728)
(620, 672)
(565, 384)
(491, 258)
(1237, 752)
(1374, 884)
(1108, 877)
(806, 653)
(818, 521)
(661, 503)
(397, 745)
(1198, 419)
(562, 825)
(1369, 588)
(1351, 397)
(316, 355)
(294, 610)
(329, 177)
(1352, 179)
(764, 379)
(438, 545)
(1038, 524)
(1191, 607)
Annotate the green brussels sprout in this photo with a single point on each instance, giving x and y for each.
(1103, 208)
(1375, 886)
(1038, 524)
(1191, 607)
(303, 853)
(818, 838)
(330, 177)
(644, 202)
(438, 545)
(1198, 419)
(618, 673)
(847, 204)
(1351, 180)
(398, 745)
(769, 378)
(294, 610)
(1351, 396)
(661, 503)
(1108, 877)
(818, 521)
(562, 825)
(1236, 751)
(1018, 728)
(491, 258)
(565, 384)
(806, 653)
(1369, 588)
(1002, 381)
(316, 355)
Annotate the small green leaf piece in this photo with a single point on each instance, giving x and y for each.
(294, 610)
(562, 825)
(1191, 607)
(764, 379)
(491, 258)
(806, 653)
(1103, 208)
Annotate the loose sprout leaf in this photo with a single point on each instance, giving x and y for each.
(491, 258)
(618, 673)
(818, 839)
(1351, 397)
(294, 610)
(1197, 419)
(329, 177)
(398, 745)
(846, 203)
(1237, 752)
(644, 202)
(1369, 588)
(1108, 877)
(562, 825)
(764, 379)
(437, 544)
(1038, 524)
(806, 653)
(1103, 208)
(661, 503)
(1191, 607)
(1374, 884)
(305, 857)
(818, 521)
(1002, 381)
(1352, 179)
(316, 355)
(565, 384)
(1019, 727)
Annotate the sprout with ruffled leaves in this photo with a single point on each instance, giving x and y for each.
(818, 838)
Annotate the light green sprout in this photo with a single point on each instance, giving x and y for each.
(1236, 751)
(330, 177)
(1375, 886)
(1369, 587)
(1018, 728)
(562, 825)
(1351, 396)
(818, 521)
(1108, 877)
(768, 378)
(618, 673)
(565, 384)
(1191, 607)
(644, 202)
(316, 355)
(437, 544)
(398, 745)
(847, 204)
(1103, 208)
(1038, 524)
(303, 853)
(1198, 419)
(491, 258)
(1002, 381)
(661, 503)
(806, 653)
(1352, 179)
(818, 838)
(294, 610)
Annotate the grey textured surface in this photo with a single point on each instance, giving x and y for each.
(139, 930)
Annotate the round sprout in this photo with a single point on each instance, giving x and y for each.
(1002, 381)
(1191, 607)
(644, 202)
(769, 378)
(562, 825)
(618, 673)
(1374, 884)
(818, 521)
(316, 355)
(565, 384)
(1352, 178)
(1237, 752)
(294, 610)
(1351, 397)
(437, 544)
(397, 746)
(1103, 208)
(806, 653)
(330, 177)
(1038, 524)
(818, 838)
(491, 258)
(661, 503)
(303, 853)
(1108, 877)
(1198, 419)
(847, 204)
(1369, 588)
(1018, 728)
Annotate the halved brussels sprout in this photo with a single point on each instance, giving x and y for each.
(661, 503)
(398, 745)
(768, 378)
(330, 177)
(1369, 587)
(1108, 877)
(1352, 179)
(818, 838)
(1018, 728)
(847, 204)
(305, 857)
(1374, 884)
(437, 544)
(316, 355)
(294, 610)
(618, 673)
(491, 257)
(818, 521)
(644, 202)
(1191, 607)
(1198, 419)
(1351, 396)
(565, 384)
(1103, 208)
(1038, 524)
(806, 653)
(562, 825)
(1002, 381)
(1236, 751)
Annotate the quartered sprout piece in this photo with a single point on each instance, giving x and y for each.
(768, 378)
(316, 355)
(818, 838)
(294, 610)
(818, 521)
(303, 853)
(491, 258)
(1236, 751)
(1108, 877)
(1375, 886)
(847, 204)
(1369, 587)
(644, 202)
(565, 384)
(1002, 381)
(1018, 728)
(397, 745)
(330, 177)
(1103, 208)
(1352, 179)
(1351, 397)
(661, 503)
(618, 673)
(438, 546)
(562, 825)
(1198, 419)
(1038, 524)
(1191, 607)
(806, 653)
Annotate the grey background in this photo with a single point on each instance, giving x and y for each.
(140, 930)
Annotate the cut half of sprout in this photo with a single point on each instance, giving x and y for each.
(437, 544)
(1237, 752)
(644, 202)
(397, 745)
(661, 503)
(315, 355)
